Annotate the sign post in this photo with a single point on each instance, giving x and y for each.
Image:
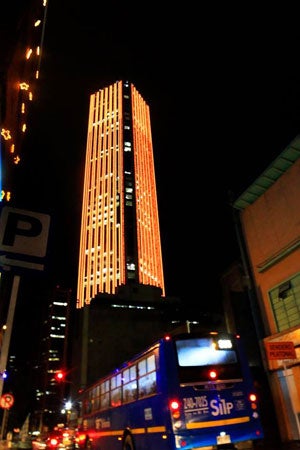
(6, 402)
(23, 235)
(8, 330)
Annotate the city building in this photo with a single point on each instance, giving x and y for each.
(268, 225)
(120, 234)
(55, 360)
(121, 301)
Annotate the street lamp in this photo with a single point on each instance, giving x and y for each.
(68, 405)
(67, 410)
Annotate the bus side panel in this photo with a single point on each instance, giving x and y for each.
(145, 420)
(152, 414)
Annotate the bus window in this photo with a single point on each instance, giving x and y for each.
(96, 393)
(104, 402)
(116, 390)
(129, 384)
(87, 406)
(202, 352)
(196, 357)
(147, 376)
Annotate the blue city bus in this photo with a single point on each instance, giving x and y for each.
(189, 391)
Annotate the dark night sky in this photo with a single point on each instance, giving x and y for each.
(224, 95)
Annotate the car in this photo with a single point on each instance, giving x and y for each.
(61, 439)
(38, 443)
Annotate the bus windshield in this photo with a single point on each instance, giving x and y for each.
(197, 356)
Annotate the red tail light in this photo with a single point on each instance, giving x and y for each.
(253, 400)
(53, 442)
(175, 408)
(174, 404)
(212, 374)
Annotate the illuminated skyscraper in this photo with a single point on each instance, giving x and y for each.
(120, 236)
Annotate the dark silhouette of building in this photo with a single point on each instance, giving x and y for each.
(114, 327)
(50, 391)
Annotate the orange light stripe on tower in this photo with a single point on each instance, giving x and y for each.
(150, 263)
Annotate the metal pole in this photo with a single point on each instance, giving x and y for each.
(8, 331)
(292, 393)
(4, 423)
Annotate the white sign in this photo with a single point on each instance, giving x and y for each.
(23, 233)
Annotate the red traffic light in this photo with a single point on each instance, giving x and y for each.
(60, 375)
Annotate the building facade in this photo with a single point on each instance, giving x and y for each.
(120, 235)
(269, 218)
(55, 357)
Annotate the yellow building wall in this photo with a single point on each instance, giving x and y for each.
(271, 230)
(271, 227)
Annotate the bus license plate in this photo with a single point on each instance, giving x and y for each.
(225, 439)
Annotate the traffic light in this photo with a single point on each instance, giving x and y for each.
(60, 375)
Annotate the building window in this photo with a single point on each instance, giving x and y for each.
(285, 302)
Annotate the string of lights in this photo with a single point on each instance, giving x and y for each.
(21, 89)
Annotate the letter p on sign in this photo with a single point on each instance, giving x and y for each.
(24, 232)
